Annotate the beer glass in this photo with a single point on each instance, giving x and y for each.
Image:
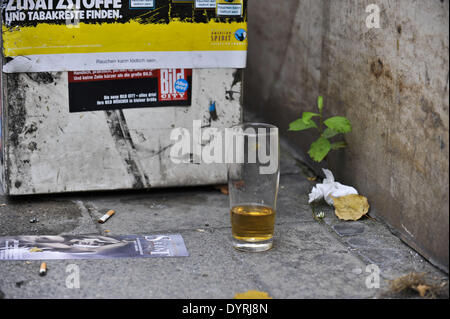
(253, 180)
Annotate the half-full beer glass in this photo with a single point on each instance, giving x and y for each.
(253, 180)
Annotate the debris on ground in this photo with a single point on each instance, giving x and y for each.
(252, 294)
(105, 217)
(43, 269)
(351, 207)
(415, 282)
(329, 188)
(320, 215)
(312, 179)
(223, 189)
(34, 220)
(35, 250)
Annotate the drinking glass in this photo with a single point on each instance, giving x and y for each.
(253, 180)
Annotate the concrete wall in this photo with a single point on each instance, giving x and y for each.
(393, 85)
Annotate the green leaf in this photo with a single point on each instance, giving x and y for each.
(320, 103)
(339, 124)
(329, 133)
(319, 149)
(300, 125)
(307, 116)
(338, 145)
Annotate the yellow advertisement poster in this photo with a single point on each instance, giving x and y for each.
(63, 35)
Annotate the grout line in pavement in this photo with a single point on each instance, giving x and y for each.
(87, 211)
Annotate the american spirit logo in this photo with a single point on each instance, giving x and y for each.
(221, 36)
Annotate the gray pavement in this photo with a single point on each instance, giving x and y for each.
(310, 258)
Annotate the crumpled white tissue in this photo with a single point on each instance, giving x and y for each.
(330, 188)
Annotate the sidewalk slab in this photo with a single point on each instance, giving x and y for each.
(310, 258)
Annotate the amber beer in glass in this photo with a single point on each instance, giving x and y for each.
(253, 180)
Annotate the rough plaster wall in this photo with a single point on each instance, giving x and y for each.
(270, 39)
(392, 83)
(283, 68)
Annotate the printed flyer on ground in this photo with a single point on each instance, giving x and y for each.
(85, 35)
(91, 247)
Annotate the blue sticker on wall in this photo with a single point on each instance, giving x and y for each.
(181, 85)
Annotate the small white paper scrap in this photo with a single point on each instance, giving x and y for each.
(328, 188)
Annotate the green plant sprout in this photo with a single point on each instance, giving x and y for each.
(327, 129)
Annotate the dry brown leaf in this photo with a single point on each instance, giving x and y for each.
(415, 282)
(422, 290)
(312, 179)
(408, 281)
(35, 250)
(350, 207)
(253, 294)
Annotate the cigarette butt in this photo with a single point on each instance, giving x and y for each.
(43, 269)
(105, 217)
